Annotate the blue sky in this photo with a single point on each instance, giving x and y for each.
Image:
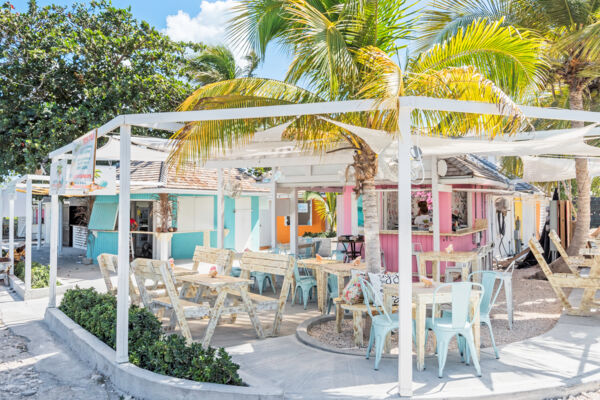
(193, 20)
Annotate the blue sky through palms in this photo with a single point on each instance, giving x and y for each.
(194, 20)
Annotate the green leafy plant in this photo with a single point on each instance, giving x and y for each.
(325, 207)
(40, 274)
(328, 234)
(148, 347)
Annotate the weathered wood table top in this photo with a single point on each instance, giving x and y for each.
(217, 281)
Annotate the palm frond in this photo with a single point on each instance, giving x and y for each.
(509, 58)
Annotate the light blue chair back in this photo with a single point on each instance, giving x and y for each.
(338, 255)
(461, 295)
(370, 296)
(297, 273)
(488, 281)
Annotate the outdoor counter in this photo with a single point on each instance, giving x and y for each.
(460, 232)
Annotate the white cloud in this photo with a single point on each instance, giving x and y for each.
(209, 26)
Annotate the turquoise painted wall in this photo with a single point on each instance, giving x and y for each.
(361, 215)
(182, 244)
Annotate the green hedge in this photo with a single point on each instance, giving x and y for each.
(40, 274)
(148, 347)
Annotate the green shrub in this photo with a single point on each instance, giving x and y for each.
(40, 274)
(148, 348)
(329, 234)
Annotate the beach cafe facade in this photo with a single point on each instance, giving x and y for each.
(308, 171)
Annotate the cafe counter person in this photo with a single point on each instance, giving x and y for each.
(423, 219)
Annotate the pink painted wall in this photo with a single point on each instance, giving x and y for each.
(389, 242)
(347, 199)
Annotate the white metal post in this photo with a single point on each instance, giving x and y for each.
(404, 256)
(220, 211)
(11, 228)
(39, 225)
(122, 355)
(60, 229)
(2, 191)
(28, 233)
(435, 196)
(273, 214)
(294, 222)
(54, 227)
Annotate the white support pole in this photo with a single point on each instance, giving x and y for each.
(220, 211)
(294, 222)
(405, 369)
(11, 228)
(273, 215)
(28, 233)
(39, 224)
(122, 355)
(54, 228)
(2, 191)
(59, 222)
(435, 196)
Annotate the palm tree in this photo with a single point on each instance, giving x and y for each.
(217, 63)
(570, 30)
(325, 207)
(342, 50)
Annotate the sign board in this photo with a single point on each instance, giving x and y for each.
(105, 181)
(81, 176)
(58, 177)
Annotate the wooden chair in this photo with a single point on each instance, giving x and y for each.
(220, 257)
(590, 283)
(108, 263)
(158, 270)
(573, 262)
(278, 264)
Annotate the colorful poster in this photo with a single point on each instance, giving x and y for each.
(58, 177)
(105, 181)
(81, 176)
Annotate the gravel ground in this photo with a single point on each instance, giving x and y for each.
(20, 379)
(582, 396)
(536, 311)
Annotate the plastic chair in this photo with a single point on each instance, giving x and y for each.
(488, 299)
(306, 283)
(382, 322)
(455, 323)
(338, 255)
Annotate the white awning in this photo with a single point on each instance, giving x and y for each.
(546, 169)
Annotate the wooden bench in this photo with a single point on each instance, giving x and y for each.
(573, 262)
(159, 271)
(220, 257)
(276, 264)
(107, 264)
(590, 283)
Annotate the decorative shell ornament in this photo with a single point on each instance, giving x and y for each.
(212, 272)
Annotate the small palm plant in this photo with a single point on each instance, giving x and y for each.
(325, 207)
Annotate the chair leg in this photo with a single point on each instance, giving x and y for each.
(261, 283)
(305, 297)
(472, 351)
(442, 354)
(329, 304)
(371, 340)
(489, 325)
(379, 342)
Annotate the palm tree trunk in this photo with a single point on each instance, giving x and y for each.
(371, 218)
(582, 227)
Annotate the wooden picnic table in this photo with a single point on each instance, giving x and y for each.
(315, 265)
(422, 297)
(225, 286)
(467, 257)
(339, 269)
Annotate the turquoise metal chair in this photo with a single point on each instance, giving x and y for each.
(488, 299)
(332, 288)
(455, 323)
(260, 278)
(382, 322)
(305, 283)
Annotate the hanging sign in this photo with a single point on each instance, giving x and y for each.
(82, 172)
(58, 177)
(105, 181)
